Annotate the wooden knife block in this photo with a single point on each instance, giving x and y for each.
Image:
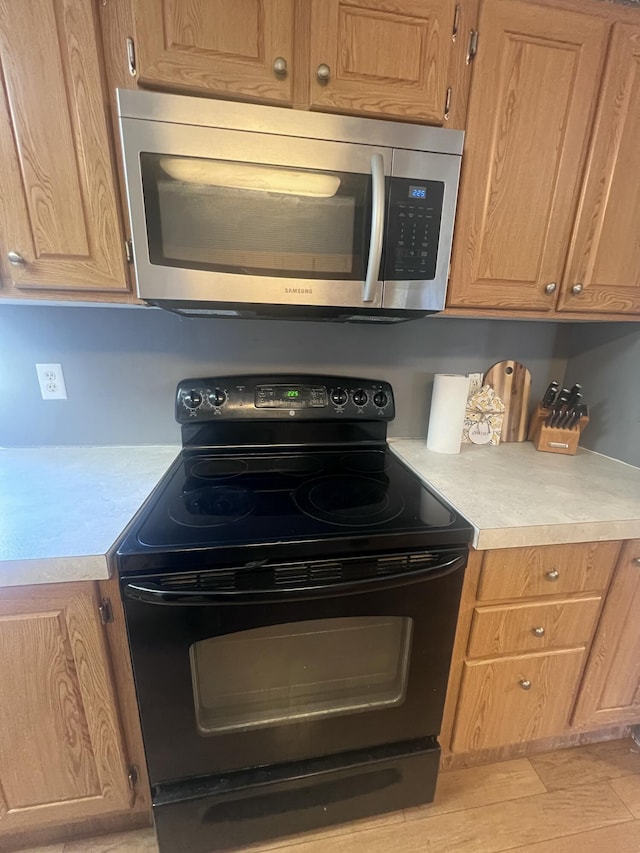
(554, 439)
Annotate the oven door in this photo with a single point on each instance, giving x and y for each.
(238, 679)
(232, 217)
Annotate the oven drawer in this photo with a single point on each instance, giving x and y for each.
(234, 811)
(537, 690)
(532, 626)
(550, 570)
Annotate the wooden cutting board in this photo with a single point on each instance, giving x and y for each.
(512, 383)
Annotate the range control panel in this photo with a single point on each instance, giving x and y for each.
(283, 397)
(413, 229)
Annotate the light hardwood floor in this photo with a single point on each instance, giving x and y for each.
(582, 800)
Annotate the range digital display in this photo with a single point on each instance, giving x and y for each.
(417, 192)
(291, 396)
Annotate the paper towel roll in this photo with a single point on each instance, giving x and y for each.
(446, 419)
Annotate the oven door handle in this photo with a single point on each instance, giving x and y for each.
(150, 594)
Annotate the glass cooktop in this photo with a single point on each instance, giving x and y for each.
(257, 497)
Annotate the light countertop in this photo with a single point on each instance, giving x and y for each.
(516, 496)
(62, 508)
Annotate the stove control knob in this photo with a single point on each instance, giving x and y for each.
(360, 397)
(192, 399)
(380, 399)
(217, 397)
(339, 396)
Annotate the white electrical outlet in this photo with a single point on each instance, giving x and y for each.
(51, 381)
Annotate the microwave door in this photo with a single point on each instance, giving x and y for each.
(230, 217)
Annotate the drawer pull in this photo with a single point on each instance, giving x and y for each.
(539, 632)
(525, 684)
(636, 560)
(553, 575)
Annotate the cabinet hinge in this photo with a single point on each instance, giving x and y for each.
(131, 57)
(473, 45)
(456, 23)
(133, 777)
(447, 104)
(106, 611)
(128, 250)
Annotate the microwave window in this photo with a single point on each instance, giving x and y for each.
(255, 219)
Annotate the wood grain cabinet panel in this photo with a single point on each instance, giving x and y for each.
(548, 570)
(221, 47)
(516, 699)
(603, 272)
(384, 57)
(59, 210)
(535, 83)
(62, 757)
(532, 626)
(610, 691)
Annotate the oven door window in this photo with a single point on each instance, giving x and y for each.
(256, 219)
(300, 671)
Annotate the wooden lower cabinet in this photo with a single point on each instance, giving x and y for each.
(512, 700)
(63, 755)
(526, 672)
(610, 690)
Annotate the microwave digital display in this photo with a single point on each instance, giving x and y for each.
(417, 192)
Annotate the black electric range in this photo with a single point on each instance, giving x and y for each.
(291, 592)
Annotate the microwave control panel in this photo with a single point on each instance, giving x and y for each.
(413, 229)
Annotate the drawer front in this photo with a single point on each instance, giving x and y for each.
(547, 570)
(495, 709)
(532, 626)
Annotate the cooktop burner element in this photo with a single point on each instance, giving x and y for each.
(349, 500)
(365, 462)
(212, 506)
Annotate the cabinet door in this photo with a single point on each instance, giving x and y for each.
(515, 700)
(221, 47)
(61, 751)
(59, 205)
(384, 57)
(603, 273)
(534, 87)
(610, 691)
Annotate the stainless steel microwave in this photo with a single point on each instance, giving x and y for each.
(244, 210)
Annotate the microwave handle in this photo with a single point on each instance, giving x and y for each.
(377, 227)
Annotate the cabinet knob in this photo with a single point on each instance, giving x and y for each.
(551, 287)
(16, 259)
(636, 560)
(280, 66)
(577, 288)
(323, 73)
(553, 575)
(525, 684)
(539, 632)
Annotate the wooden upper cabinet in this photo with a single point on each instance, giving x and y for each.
(220, 47)
(381, 57)
(62, 757)
(534, 88)
(59, 213)
(610, 691)
(603, 272)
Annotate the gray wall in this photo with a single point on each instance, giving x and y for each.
(121, 365)
(605, 359)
